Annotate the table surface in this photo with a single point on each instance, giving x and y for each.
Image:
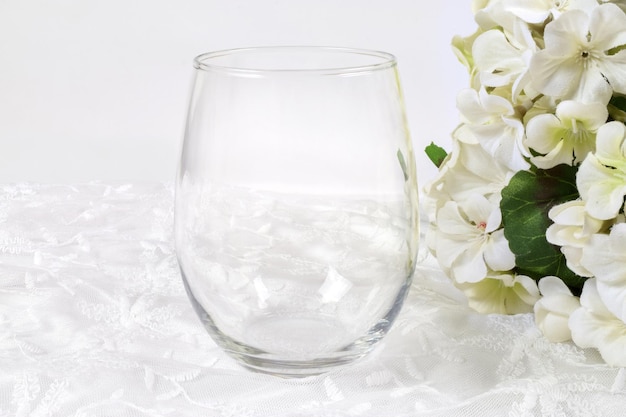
(94, 321)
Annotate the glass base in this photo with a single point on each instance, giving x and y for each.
(265, 363)
(297, 345)
(301, 358)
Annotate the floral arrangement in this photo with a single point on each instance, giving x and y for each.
(528, 205)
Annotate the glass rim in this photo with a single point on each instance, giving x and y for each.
(380, 60)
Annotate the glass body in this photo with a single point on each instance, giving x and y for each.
(296, 204)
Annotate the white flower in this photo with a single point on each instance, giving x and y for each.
(537, 11)
(490, 14)
(572, 229)
(553, 309)
(543, 76)
(501, 293)
(601, 179)
(493, 14)
(568, 136)
(462, 49)
(620, 3)
(593, 325)
(605, 257)
(498, 61)
(582, 59)
(469, 240)
(481, 4)
(493, 123)
(502, 53)
(469, 170)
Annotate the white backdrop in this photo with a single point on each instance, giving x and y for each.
(97, 89)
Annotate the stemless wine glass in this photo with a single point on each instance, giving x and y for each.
(296, 204)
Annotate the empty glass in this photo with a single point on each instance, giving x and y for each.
(296, 204)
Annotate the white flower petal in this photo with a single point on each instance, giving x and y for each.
(559, 154)
(497, 60)
(531, 11)
(601, 188)
(470, 108)
(494, 221)
(606, 198)
(570, 213)
(592, 86)
(573, 257)
(553, 311)
(503, 141)
(614, 69)
(501, 294)
(613, 297)
(560, 33)
(470, 265)
(591, 301)
(537, 11)
(592, 325)
(591, 115)
(543, 132)
(609, 142)
(486, 296)
(572, 229)
(553, 75)
(450, 220)
(585, 5)
(554, 327)
(605, 256)
(495, 105)
(527, 292)
(607, 24)
(551, 285)
(478, 209)
(498, 255)
(483, 165)
(448, 251)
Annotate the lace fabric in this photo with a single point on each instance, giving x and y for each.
(94, 321)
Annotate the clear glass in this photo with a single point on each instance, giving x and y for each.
(296, 204)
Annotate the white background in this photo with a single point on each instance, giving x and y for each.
(97, 90)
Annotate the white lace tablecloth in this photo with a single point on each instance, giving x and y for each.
(94, 321)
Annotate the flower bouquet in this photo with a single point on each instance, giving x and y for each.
(528, 205)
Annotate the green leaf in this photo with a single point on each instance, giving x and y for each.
(617, 108)
(436, 154)
(525, 203)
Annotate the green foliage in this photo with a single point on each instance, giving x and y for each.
(525, 203)
(617, 108)
(436, 154)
